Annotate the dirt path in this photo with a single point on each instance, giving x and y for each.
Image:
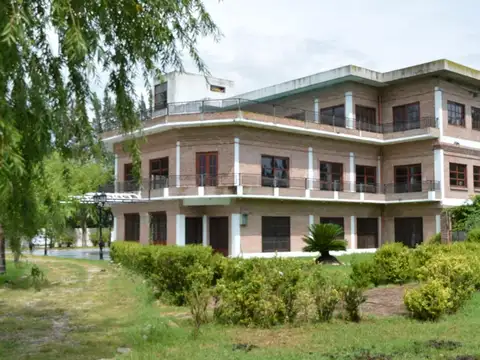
(385, 301)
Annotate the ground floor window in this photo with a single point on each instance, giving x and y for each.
(367, 233)
(193, 230)
(132, 227)
(409, 230)
(158, 228)
(334, 220)
(275, 233)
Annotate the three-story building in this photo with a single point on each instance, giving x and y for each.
(380, 154)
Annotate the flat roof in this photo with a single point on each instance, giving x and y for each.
(443, 67)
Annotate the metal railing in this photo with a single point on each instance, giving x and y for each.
(280, 111)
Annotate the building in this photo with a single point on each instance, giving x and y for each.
(381, 154)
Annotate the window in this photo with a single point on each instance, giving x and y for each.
(334, 115)
(409, 231)
(275, 233)
(475, 118)
(207, 169)
(406, 117)
(366, 178)
(331, 176)
(476, 177)
(367, 233)
(129, 180)
(160, 96)
(217, 88)
(408, 178)
(334, 220)
(456, 113)
(158, 228)
(132, 227)
(458, 175)
(159, 173)
(366, 118)
(275, 171)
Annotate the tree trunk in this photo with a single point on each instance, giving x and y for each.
(3, 263)
(84, 234)
(326, 258)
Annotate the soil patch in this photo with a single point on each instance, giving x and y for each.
(385, 301)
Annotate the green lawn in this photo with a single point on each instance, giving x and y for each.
(91, 308)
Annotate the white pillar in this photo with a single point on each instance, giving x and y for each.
(310, 168)
(180, 226)
(379, 231)
(236, 161)
(351, 172)
(316, 110)
(311, 220)
(439, 110)
(439, 173)
(438, 224)
(177, 164)
(113, 235)
(116, 173)
(204, 230)
(349, 114)
(353, 233)
(235, 235)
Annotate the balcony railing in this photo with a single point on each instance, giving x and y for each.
(301, 116)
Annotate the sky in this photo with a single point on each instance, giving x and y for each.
(269, 41)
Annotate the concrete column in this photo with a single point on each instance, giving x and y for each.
(235, 238)
(311, 220)
(351, 172)
(204, 230)
(379, 170)
(438, 224)
(310, 173)
(380, 231)
(439, 110)
(349, 114)
(316, 110)
(353, 232)
(439, 172)
(236, 161)
(177, 164)
(113, 235)
(180, 227)
(120, 227)
(115, 183)
(144, 228)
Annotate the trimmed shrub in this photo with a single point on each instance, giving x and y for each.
(430, 301)
(474, 236)
(353, 297)
(434, 240)
(364, 273)
(325, 296)
(392, 264)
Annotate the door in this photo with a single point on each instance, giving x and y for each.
(207, 169)
(218, 227)
(193, 230)
(409, 231)
(367, 233)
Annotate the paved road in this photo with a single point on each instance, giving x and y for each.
(89, 254)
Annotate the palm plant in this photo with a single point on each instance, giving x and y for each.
(324, 238)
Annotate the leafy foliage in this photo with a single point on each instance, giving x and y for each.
(430, 301)
(323, 238)
(474, 235)
(352, 296)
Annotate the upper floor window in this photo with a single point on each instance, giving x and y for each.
(160, 96)
(458, 175)
(207, 169)
(159, 173)
(275, 171)
(406, 117)
(129, 178)
(475, 118)
(476, 177)
(331, 176)
(365, 116)
(456, 113)
(334, 115)
(408, 178)
(217, 88)
(366, 178)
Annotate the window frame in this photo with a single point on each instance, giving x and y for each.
(279, 242)
(207, 178)
(457, 179)
(407, 186)
(274, 181)
(159, 105)
(449, 111)
(367, 187)
(475, 113)
(331, 184)
(135, 230)
(476, 173)
(365, 123)
(403, 125)
(158, 227)
(162, 173)
(330, 119)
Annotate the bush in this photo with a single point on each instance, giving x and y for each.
(260, 292)
(392, 264)
(434, 240)
(364, 273)
(474, 236)
(66, 238)
(325, 295)
(95, 237)
(430, 301)
(168, 268)
(353, 297)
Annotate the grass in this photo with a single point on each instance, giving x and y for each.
(91, 308)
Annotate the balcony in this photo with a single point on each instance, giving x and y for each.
(264, 114)
(254, 185)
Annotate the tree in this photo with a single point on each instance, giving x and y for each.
(45, 84)
(324, 238)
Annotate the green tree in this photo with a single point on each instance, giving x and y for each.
(45, 93)
(324, 238)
